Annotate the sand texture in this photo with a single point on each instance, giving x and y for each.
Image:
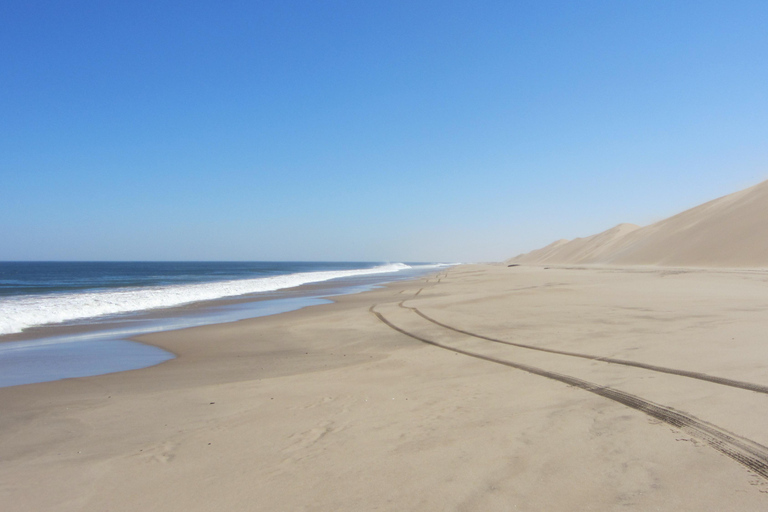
(731, 231)
(483, 388)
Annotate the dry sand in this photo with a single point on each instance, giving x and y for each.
(731, 231)
(650, 395)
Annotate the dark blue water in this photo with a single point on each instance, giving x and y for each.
(101, 305)
(41, 277)
(34, 294)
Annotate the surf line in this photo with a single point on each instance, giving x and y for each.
(746, 452)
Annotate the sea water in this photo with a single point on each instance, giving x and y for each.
(101, 304)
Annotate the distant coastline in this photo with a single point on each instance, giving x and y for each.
(33, 294)
(95, 344)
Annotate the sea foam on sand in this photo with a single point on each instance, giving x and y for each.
(19, 313)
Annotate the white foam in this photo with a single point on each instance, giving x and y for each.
(19, 313)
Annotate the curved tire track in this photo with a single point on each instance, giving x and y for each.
(758, 388)
(750, 454)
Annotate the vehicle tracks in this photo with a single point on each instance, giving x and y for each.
(746, 452)
(758, 388)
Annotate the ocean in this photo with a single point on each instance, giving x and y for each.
(73, 319)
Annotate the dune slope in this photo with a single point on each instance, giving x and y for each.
(731, 231)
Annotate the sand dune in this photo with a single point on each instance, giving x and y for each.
(731, 231)
(580, 250)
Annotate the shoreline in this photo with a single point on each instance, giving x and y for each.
(330, 408)
(108, 344)
(194, 308)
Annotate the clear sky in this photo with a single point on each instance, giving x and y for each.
(367, 130)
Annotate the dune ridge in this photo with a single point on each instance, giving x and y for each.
(731, 231)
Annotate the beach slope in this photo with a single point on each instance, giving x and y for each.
(480, 388)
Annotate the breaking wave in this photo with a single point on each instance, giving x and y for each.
(21, 312)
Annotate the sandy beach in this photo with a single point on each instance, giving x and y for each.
(384, 256)
(484, 387)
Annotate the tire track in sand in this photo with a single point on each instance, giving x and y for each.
(758, 388)
(746, 452)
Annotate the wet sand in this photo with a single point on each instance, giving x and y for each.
(484, 387)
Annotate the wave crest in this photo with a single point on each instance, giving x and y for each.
(19, 313)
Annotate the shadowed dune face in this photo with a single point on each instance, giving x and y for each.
(731, 231)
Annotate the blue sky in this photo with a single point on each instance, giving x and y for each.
(375, 130)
